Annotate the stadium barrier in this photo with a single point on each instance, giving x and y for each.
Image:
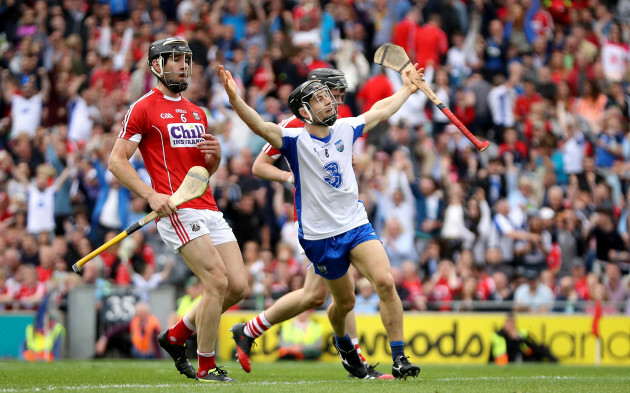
(448, 338)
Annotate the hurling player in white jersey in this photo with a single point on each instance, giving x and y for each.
(314, 292)
(170, 133)
(333, 226)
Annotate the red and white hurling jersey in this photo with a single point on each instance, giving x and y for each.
(168, 130)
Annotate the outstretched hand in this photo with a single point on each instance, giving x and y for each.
(409, 74)
(228, 83)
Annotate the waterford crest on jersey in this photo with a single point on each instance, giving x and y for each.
(326, 189)
(168, 130)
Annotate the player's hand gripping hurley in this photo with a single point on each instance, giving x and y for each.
(194, 185)
(394, 57)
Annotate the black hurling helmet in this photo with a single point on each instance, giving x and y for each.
(302, 96)
(171, 47)
(332, 78)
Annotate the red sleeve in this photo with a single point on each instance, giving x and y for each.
(271, 151)
(134, 122)
(292, 122)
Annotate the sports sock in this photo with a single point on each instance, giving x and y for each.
(206, 363)
(355, 341)
(398, 349)
(344, 343)
(180, 332)
(257, 326)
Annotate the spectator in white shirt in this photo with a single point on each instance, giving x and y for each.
(533, 295)
(83, 111)
(502, 98)
(614, 54)
(27, 104)
(41, 199)
(573, 149)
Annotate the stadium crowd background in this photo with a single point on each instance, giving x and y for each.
(540, 219)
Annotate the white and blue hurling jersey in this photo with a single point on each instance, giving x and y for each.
(326, 189)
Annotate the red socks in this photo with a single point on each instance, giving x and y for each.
(206, 363)
(180, 332)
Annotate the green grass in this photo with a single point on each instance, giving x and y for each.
(161, 376)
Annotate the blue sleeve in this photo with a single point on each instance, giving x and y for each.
(100, 172)
(289, 149)
(358, 132)
(507, 30)
(529, 18)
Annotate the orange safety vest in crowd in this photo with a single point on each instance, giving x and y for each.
(142, 334)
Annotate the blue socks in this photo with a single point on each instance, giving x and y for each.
(398, 349)
(344, 343)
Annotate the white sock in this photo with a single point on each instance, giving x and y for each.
(188, 324)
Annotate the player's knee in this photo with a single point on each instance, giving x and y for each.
(384, 285)
(215, 280)
(346, 305)
(238, 290)
(316, 298)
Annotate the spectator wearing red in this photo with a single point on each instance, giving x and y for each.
(404, 34)
(413, 286)
(537, 123)
(512, 145)
(464, 107)
(524, 101)
(30, 291)
(445, 285)
(431, 42)
(6, 212)
(374, 89)
(485, 283)
(46, 263)
(105, 77)
(6, 295)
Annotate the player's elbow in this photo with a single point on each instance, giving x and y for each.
(115, 163)
(257, 169)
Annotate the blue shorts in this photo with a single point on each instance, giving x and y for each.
(331, 256)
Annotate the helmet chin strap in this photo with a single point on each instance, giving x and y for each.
(174, 87)
(315, 120)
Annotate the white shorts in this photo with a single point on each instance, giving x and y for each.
(188, 224)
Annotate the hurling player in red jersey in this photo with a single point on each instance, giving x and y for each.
(170, 132)
(314, 292)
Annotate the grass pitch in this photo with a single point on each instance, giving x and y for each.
(161, 377)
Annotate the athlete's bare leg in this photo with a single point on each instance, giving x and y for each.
(342, 290)
(371, 260)
(205, 262)
(311, 295)
(237, 274)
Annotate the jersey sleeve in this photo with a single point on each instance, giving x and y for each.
(357, 124)
(291, 122)
(271, 151)
(134, 124)
(289, 142)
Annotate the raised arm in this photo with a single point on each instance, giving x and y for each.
(263, 167)
(386, 107)
(270, 132)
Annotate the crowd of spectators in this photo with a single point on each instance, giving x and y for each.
(540, 218)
